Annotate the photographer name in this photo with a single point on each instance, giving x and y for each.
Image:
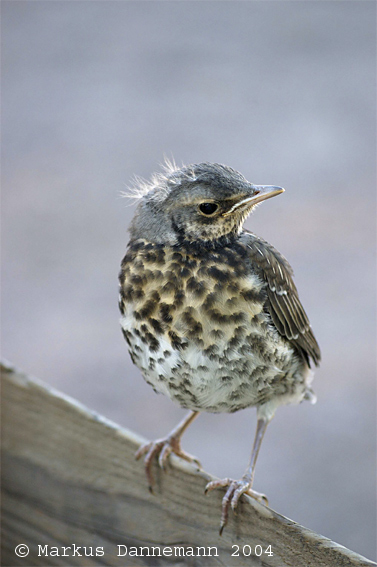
(124, 550)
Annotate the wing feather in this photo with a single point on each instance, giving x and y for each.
(283, 302)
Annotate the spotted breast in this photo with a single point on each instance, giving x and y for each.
(197, 327)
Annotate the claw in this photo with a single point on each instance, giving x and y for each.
(235, 489)
(150, 450)
(161, 448)
(141, 451)
(163, 456)
(217, 484)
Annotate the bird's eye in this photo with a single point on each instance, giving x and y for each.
(208, 208)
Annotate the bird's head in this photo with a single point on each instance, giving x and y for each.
(196, 203)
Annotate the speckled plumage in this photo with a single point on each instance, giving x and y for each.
(197, 327)
(210, 312)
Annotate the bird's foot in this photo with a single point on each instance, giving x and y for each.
(162, 448)
(235, 489)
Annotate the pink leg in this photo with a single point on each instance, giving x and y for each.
(235, 488)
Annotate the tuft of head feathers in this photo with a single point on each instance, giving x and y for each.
(140, 187)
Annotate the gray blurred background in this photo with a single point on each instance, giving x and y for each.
(95, 92)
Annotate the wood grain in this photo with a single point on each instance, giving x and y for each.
(69, 477)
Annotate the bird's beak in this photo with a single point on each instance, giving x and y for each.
(259, 193)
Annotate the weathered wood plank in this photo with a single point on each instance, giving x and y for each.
(69, 477)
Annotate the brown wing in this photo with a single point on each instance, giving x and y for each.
(283, 302)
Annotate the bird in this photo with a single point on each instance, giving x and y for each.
(210, 311)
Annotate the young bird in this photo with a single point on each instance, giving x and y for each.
(210, 311)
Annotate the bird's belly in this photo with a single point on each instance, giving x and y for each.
(221, 374)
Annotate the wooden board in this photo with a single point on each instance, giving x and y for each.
(69, 478)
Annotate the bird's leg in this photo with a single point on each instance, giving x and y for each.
(235, 488)
(163, 447)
